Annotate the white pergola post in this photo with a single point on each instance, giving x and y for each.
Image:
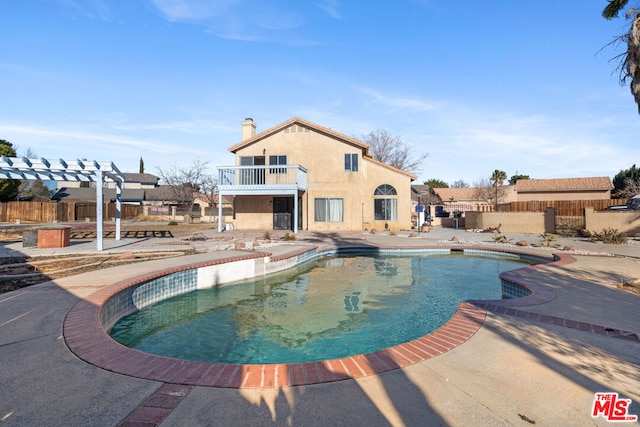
(219, 212)
(118, 207)
(99, 207)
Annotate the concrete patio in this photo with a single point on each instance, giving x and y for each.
(512, 371)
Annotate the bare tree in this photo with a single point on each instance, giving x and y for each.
(459, 184)
(390, 149)
(184, 182)
(489, 191)
(631, 188)
(209, 188)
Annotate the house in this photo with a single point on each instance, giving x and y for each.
(137, 181)
(471, 199)
(593, 188)
(299, 175)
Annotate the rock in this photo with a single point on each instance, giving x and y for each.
(522, 243)
(239, 245)
(127, 256)
(413, 235)
(569, 248)
(455, 239)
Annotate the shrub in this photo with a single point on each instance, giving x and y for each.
(609, 236)
(266, 236)
(289, 237)
(501, 238)
(172, 223)
(547, 238)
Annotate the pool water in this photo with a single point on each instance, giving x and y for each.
(326, 309)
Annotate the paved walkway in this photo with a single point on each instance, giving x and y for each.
(541, 362)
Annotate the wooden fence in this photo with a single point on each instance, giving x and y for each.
(562, 207)
(48, 212)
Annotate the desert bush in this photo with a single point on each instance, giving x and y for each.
(610, 236)
(548, 238)
(289, 237)
(501, 238)
(172, 223)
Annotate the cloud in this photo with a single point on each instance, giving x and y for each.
(191, 10)
(399, 101)
(242, 20)
(93, 9)
(330, 7)
(64, 138)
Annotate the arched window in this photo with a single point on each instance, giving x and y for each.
(385, 190)
(385, 203)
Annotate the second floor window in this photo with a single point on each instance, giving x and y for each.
(351, 162)
(277, 160)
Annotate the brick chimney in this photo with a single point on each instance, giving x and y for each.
(248, 128)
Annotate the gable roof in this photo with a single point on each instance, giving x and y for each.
(598, 183)
(322, 130)
(298, 120)
(89, 194)
(143, 178)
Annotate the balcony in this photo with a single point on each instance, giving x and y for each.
(271, 179)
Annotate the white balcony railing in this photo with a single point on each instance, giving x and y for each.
(261, 179)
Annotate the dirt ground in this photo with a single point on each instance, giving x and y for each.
(18, 272)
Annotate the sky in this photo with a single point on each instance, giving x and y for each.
(527, 87)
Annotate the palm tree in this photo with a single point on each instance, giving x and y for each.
(630, 60)
(497, 177)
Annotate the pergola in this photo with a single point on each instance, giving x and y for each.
(69, 170)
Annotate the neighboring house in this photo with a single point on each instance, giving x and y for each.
(88, 195)
(137, 181)
(458, 199)
(594, 188)
(299, 175)
(420, 194)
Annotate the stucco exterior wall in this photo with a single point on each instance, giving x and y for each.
(625, 222)
(511, 222)
(253, 212)
(323, 157)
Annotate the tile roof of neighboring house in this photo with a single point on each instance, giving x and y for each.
(89, 194)
(144, 178)
(419, 188)
(455, 194)
(320, 129)
(564, 184)
(161, 193)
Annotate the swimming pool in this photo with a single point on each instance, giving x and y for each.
(325, 309)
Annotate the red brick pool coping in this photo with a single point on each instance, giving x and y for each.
(87, 339)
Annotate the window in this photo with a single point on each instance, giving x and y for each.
(385, 190)
(277, 160)
(385, 208)
(351, 162)
(252, 176)
(328, 210)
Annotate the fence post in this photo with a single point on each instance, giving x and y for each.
(550, 220)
